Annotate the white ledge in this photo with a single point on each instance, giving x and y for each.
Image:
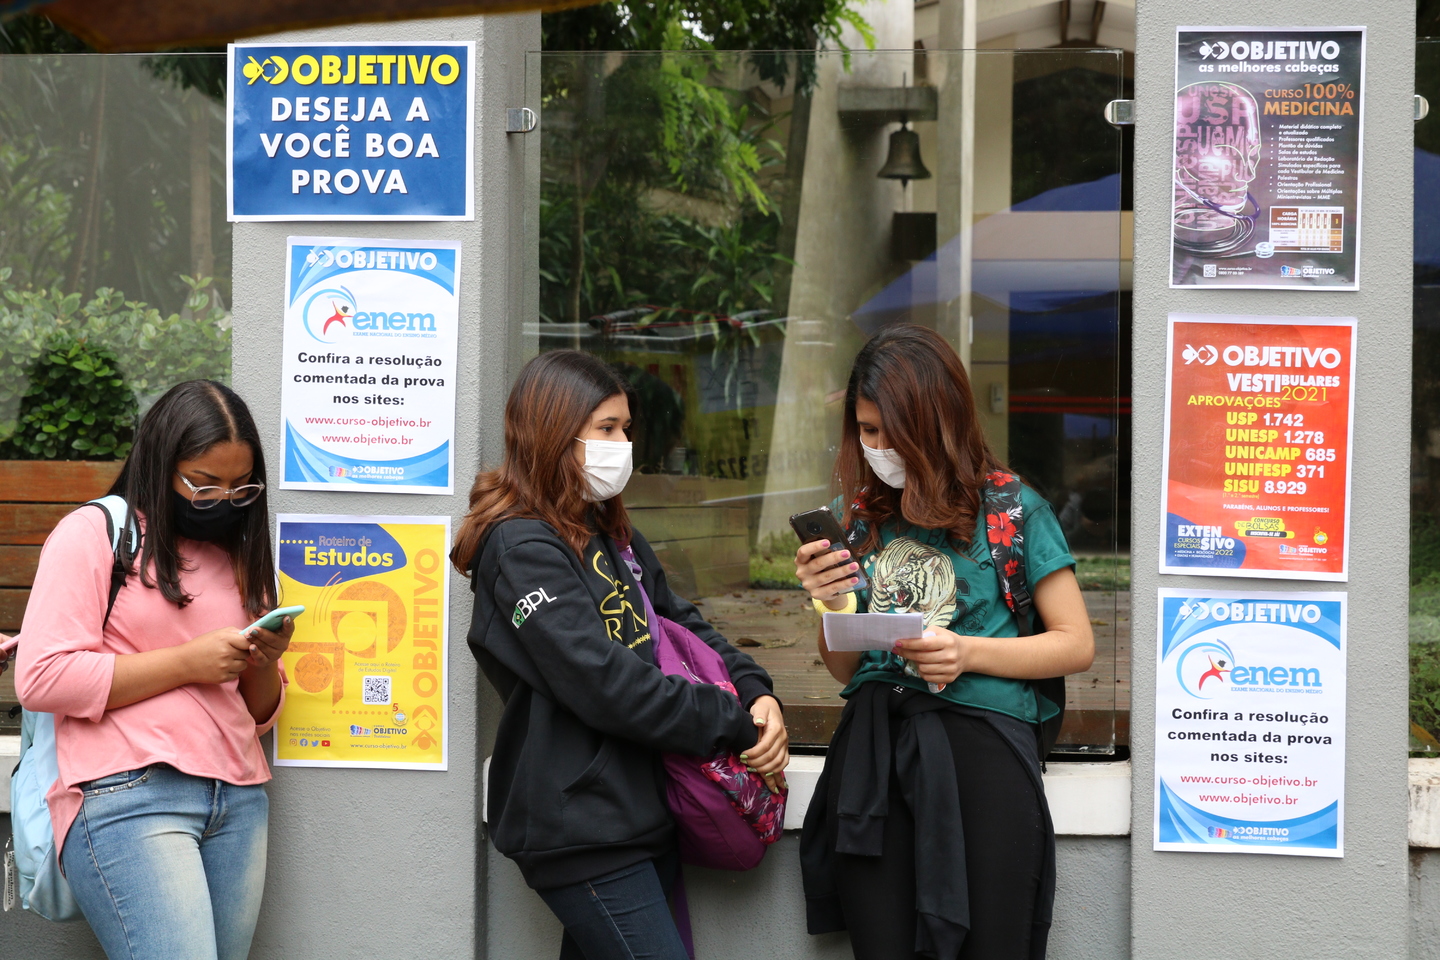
(1086, 799)
(1425, 803)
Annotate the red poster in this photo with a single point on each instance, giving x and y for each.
(1257, 446)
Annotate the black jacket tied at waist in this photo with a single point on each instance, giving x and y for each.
(925, 771)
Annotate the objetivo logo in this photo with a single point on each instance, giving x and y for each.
(1206, 354)
(328, 314)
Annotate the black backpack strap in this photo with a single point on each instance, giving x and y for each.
(1005, 534)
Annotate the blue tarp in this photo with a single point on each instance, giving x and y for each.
(936, 279)
(1427, 208)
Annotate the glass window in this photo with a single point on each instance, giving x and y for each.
(729, 230)
(1425, 421)
(114, 276)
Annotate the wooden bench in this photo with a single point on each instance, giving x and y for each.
(34, 496)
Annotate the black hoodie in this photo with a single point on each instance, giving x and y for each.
(577, 787)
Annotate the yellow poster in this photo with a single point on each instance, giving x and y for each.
(368, 686)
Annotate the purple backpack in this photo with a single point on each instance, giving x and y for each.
(725, 815)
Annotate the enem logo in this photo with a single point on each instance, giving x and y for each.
(1203, 668)
(328, 314)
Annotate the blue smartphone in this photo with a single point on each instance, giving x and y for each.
(274, 618)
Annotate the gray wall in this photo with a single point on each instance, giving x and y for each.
(1186, 904)
(760, 915)
(383, 863)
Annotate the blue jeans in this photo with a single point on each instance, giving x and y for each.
(620, 916)
(167, 866)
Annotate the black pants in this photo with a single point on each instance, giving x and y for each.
(1004, 829)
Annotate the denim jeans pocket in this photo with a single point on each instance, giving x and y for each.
(111, 783)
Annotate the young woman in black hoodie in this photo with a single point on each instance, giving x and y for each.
(576, 780)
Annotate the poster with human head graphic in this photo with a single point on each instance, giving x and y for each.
(367, 662)
(367, 395)
(1266, 179)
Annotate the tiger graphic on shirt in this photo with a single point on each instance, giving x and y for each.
(911, 577)
(908, 576)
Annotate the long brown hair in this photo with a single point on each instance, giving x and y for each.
(914, 376)
(549, 406)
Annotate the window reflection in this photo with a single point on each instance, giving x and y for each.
(732, 260)
(114, 258)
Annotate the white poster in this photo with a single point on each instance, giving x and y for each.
(368, 389)
(1250, 723)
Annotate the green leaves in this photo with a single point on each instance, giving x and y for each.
(74, 374)
(76, 407)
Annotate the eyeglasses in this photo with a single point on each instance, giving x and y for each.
(203, 498)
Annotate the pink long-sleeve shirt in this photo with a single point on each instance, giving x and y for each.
(66, 663)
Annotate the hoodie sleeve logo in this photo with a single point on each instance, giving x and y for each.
(528, 605)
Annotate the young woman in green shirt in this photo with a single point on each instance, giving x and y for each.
(929, 832)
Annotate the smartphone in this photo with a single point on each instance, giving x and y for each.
(274, 618)
(820, 524)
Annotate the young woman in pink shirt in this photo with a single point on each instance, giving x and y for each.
(159, 809)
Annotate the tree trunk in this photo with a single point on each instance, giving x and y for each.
(577, 253)
(87, 247)
(202, 253)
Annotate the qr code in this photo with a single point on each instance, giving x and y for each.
(375, 690)
(1209, 270)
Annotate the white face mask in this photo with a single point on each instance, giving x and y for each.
(887, 465)
(608, 464)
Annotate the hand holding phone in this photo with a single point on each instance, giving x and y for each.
(820, 524)
(273, 619)
(262, 650)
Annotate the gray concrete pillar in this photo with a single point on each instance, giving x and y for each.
(1210, 905)
(378, 863)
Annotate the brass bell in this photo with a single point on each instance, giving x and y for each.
(904, 163)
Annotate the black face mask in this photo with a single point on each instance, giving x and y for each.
(205, 525)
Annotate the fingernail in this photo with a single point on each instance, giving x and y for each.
(854, 566)
(845, 554)
(824, 543)
(744, 756)
(854, 580)
(759, 721)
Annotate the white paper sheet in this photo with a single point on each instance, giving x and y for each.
(850, 632)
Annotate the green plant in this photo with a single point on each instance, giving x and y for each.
(1424, 546)
(77, 406)
(1425, 688)
(772, 563)
(1102, 572)
(153, 351)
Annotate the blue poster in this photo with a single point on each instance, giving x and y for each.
(1250, 723)
(350, 131)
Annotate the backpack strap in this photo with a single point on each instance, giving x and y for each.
(1005, 533)
(124, 533)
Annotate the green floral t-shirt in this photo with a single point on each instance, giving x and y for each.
(919, 571)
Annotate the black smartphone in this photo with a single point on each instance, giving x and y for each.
(820, 524)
